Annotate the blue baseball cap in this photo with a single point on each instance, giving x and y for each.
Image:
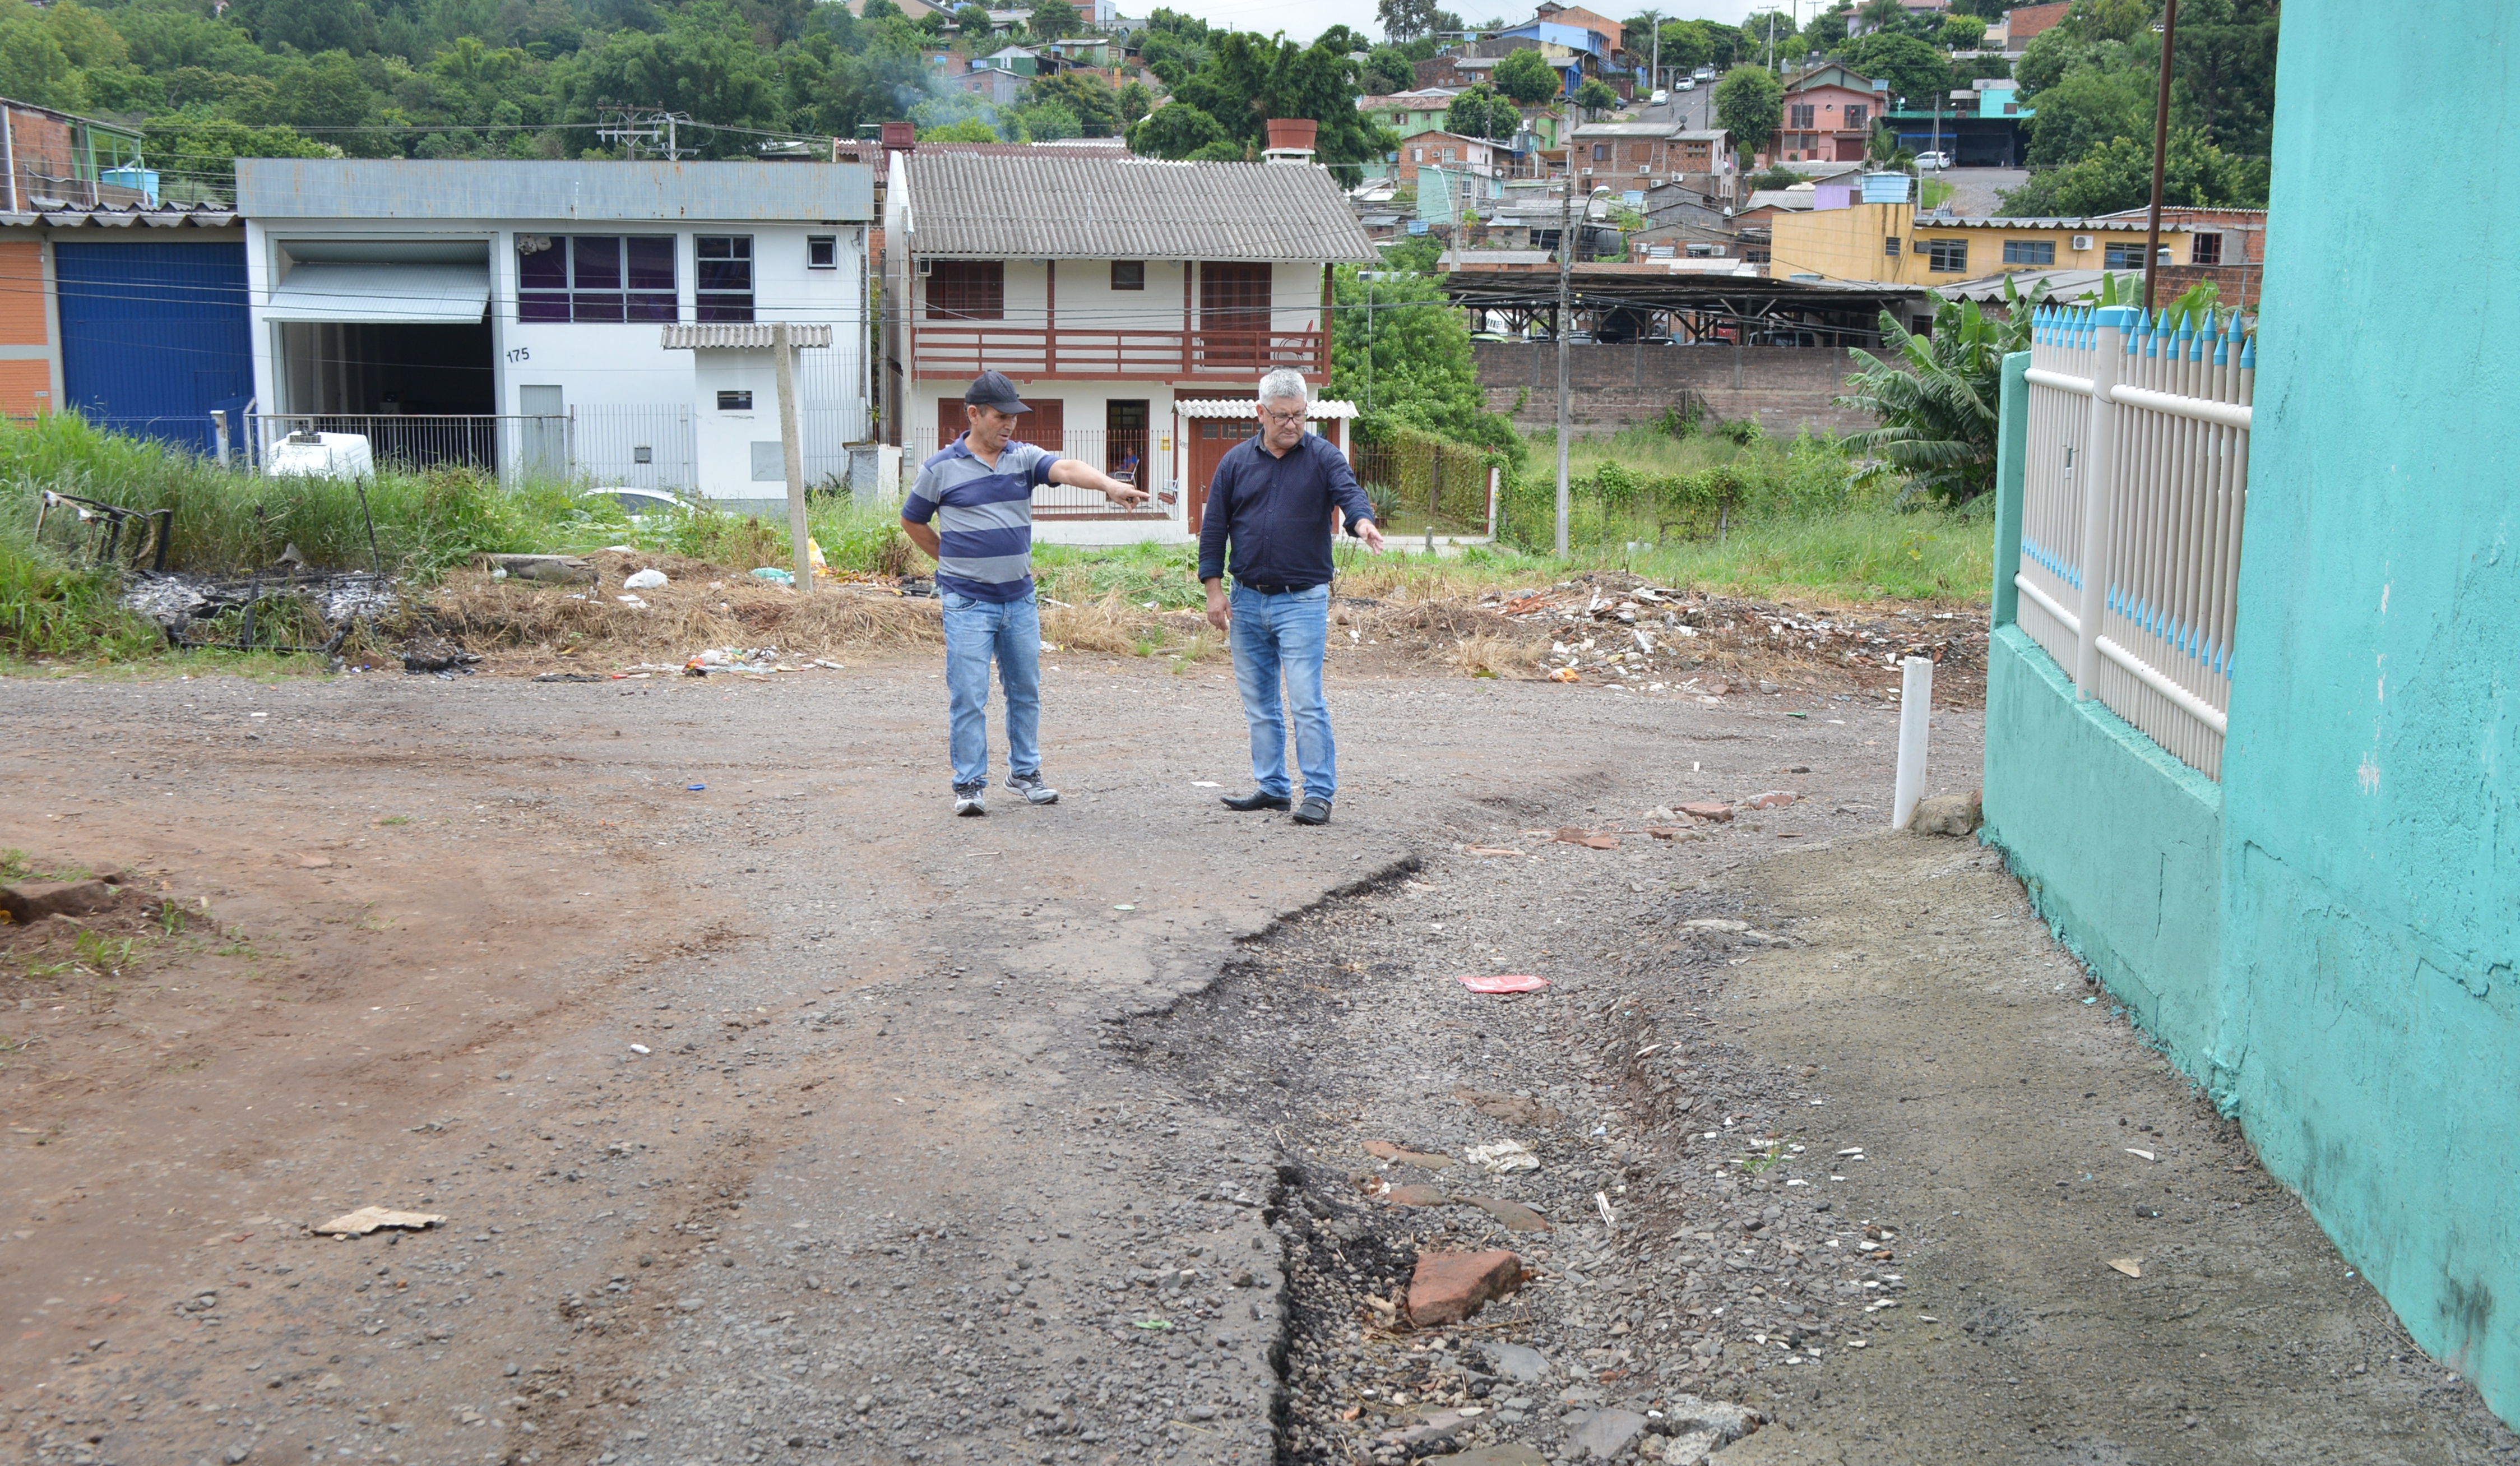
(993, 389)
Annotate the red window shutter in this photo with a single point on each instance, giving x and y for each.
(1046, 426)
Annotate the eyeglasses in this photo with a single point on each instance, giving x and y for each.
(1295, 416)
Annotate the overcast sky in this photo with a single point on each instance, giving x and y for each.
(1304, 20)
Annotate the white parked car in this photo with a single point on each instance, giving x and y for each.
(1702, 74)
(1930, 161)
(1689, 83)
(1660, 96)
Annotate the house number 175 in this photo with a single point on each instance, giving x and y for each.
(519, 354)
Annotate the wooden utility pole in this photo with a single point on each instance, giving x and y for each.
(792, 451)
(2160, 149)
(1565, 301)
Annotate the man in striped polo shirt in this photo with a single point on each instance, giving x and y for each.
(971, 510)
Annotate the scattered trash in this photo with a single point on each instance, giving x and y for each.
(633, 602)
(1565, 674)
(647, 579)
(1503, 982)
(575, 676)
(2147, 1155)
(1153, 1324)
(773, 574)
(1124, 907)
(1205, 784)
(640, 1048)
(2132, 1266)
(1774, 799)
(366, 1219)
(545, 570)
(827, 664)
(1503, 1157)
(435, 654)
(1493, 850)
(1602, 1200)
(759, 660)
(695, 787)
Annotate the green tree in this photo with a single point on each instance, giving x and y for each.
(1595, 96)
(1052, 20)
(1088, 98)
(1686, 46)
(1405, 20)
(974, 22)
(1045, 122)
(1175, 129)
(1248, 79)
(199, 153)
(1387, 70)
(1936, 397)
(965, 130)
(2117, 174)
(34, 68)
(1961, 34)
(1758, 28)
(1422, 371)
(704, 63)
(880, 9)
(1913, 69)
(1481, 112)
(1749, 103)
(2087, 107)
(1527, 77)
(1135, 103)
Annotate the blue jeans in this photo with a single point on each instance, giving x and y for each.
(1288, 634)
(975, 632)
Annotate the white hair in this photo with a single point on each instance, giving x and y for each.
(1285, 383)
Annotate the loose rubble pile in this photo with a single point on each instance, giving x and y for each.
(1663, 641)
(1661, 1204)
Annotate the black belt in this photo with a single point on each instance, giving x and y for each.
(1276, 590)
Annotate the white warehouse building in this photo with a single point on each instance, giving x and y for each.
(519, 315)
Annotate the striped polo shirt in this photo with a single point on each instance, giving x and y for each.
(983, 517)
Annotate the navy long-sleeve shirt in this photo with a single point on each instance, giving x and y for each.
(1276, 512)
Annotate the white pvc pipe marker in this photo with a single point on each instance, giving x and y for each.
(1916, 704)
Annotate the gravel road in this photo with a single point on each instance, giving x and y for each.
(790, 1119)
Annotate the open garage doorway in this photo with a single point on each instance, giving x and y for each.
(389, 339)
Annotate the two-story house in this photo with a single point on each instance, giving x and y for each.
(1137, 309)
(523, 315)
(1643, 155)
(1449, 151)
(1409, 114)
(1831, 112)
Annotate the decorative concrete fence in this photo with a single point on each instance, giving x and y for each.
(2134, 477)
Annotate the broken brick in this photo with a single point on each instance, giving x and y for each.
(1707, 811)
(1384, 1150)
(1450, 1287)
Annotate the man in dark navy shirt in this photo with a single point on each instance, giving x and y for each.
(1271, 501)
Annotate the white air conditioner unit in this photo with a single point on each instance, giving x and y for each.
(2082, 242)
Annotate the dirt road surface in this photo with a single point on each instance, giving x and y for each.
(787, 1117)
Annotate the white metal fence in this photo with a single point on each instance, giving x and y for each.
(2136, 475)
(1121, 452)
(633, 445)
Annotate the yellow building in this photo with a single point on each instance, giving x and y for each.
(1891, 244)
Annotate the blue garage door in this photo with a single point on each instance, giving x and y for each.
(154, 335)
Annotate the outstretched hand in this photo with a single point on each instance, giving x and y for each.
(1371, 534)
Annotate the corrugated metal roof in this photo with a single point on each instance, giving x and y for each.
(114, 216)
(359, 188)
(1046, 205)
(1321, 410)
(753, 336)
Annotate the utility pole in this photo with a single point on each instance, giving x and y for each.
(791, 452)
(2160, 145)
(1565, 304)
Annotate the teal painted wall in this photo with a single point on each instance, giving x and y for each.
(2119, 845)
(2371, 1032)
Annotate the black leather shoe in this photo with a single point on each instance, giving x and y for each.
(1255, 800)
(1314, 813)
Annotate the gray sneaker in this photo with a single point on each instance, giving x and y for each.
(1032, 789)
(967, 802)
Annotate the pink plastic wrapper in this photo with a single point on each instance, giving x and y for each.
(1505, 982)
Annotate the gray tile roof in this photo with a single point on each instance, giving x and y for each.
(1047, 206)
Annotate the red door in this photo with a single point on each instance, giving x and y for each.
(1210, 439)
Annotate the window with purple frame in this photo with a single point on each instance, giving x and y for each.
(600, 278)
(724, 289)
